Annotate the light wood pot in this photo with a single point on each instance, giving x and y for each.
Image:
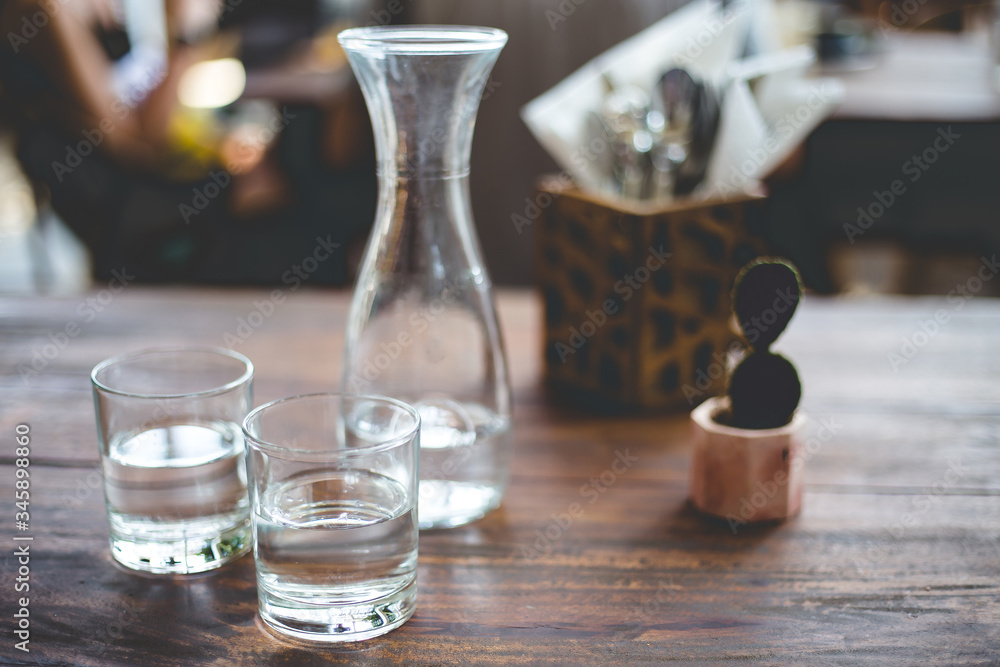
(745, 475)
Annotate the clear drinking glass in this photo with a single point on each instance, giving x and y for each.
(168, 425)
(422, 325)
(333, 485)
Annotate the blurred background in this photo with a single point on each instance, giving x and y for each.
(212, 142)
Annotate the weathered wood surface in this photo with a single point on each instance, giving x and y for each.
(894, 559)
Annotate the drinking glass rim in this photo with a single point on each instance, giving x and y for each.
(309, 454)
(423, 39)
(167, 349)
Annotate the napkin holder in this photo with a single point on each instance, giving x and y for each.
(637, 294)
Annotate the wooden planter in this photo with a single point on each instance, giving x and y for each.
(653, 342)
(745, 475)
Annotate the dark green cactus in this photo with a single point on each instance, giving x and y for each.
(764, 389)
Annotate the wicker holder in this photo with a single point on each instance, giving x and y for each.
(637, 305)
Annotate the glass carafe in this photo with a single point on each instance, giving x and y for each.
(422, 325)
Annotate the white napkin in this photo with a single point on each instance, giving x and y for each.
(758, 128)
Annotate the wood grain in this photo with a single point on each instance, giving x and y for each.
(893, 559)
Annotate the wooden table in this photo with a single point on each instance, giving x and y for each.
(895, 558)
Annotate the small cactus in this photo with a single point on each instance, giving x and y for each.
(764, 389)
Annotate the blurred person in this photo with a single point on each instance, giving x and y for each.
(126, 167)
